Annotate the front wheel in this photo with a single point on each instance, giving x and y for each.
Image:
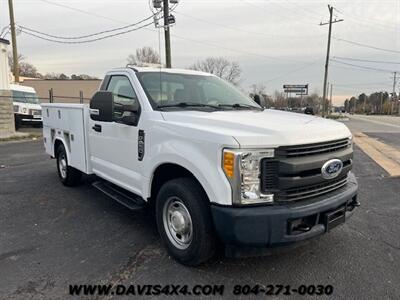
(184, 221)
(69, 176)
(17, 121)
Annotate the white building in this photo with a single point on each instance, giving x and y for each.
(7, 127)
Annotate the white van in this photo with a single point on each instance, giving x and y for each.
(26, 104)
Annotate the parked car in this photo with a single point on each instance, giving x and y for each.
(211, 163)
(26, 104)
(309, 111)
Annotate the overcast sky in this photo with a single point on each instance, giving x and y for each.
(275, 42)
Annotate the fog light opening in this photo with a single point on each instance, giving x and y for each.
(301, 225)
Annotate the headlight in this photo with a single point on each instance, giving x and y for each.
(351, 141)
(242, 168)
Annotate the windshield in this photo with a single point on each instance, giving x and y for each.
(25, 97)
(181, 91)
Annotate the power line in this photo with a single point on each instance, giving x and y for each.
(84, 36)
(363, 67)
(86, 41)
(365, 45)
(285, 8)
(293, 71)
(366, 60)
(80, 10)
(363, 84)
(309, 11)
(145, 28)
(367, 21)
(231, 49)
(4, 30)
(243, 30)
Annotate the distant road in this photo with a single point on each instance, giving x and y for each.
(393, 121)
(379, 138)
(362, 123)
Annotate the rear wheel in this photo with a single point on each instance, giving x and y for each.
(69, 176)
(184, 221)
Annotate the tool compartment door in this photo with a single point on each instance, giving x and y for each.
(66, 122)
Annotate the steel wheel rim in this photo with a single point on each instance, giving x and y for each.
(177, 223)
(62, 165)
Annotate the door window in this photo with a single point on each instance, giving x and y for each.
(123, 91)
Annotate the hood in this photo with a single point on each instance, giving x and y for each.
(28, 105)
(271, 128)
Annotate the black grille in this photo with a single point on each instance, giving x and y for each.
(314, 149)
(312, 190)
(295, 173)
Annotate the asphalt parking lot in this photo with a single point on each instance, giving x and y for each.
(52, 236)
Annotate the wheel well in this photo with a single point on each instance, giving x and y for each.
(164, 173)
(57, 144)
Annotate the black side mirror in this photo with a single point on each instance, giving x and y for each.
(102, 107)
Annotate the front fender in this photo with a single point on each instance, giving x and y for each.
(201, 159)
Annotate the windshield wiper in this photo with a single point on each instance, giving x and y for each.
(188, 104)
(240, 105)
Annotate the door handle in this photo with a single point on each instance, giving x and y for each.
(97, 127)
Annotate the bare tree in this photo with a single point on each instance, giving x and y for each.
(11, 60)
(221, 67)
(258, 89)
(25, 69)
(144, 55)
(280, 100)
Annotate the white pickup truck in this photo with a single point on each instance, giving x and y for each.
(212, 163)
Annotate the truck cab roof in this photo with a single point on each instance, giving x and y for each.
(165, 70)
(22, 88)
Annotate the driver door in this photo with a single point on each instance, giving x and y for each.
(114, 145)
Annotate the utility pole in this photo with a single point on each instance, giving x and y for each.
(166, 34)
(328, 50)
(394, 98)
(14, 41)
(364, 103)
(330, 101)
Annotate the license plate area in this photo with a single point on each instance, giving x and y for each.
(335, 217)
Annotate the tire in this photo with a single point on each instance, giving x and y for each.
(176, 200)
(17, 121)
(68, 175)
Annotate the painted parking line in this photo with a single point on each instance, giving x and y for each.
(386, 156)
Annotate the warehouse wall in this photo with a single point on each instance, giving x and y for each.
(63, 90)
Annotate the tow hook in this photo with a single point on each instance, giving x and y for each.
(353, 204)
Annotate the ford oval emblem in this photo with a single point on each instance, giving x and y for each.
(331, 168)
